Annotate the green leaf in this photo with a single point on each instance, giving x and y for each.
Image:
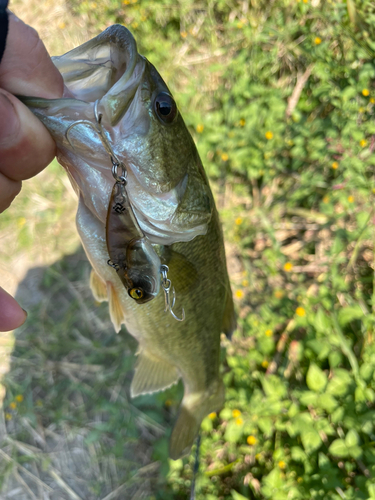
(309, 398)
(350, 313)
(322, 322)
(327, 402)
(316, 379)
(274, 387)
(366, 371)
(338, 448)
(352, 438)
(265, 424)
(298, 454)
(237, 496)
(233, 432)
(274, 479)
(355, 451)
(310, 439)
(334, 358)
(340, 383)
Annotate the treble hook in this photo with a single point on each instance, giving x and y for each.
(116, 163)
(166, 284)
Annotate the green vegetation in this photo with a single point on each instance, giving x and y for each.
(280, 98)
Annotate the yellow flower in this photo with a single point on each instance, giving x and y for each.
(239, 421)
(134, 25)
(326, 199)
(251, 440)
(299, 480)
(265, 363)
(317, 40)
(362, 109)
(224, 156)
(363, 143)
(279, 294)
(373, 190)
(351, 199)
(300, 311)
(200, 126)
(282, 464)
(61, 25)
(305, 1)
(242, 122)
(268, 333)
(236, 413)
(13, 405)
(372, 100)
(245, 283)
(8, 416)
(184, 35)
(288, 267)
(268, 135)
(365, 92)
(21, 221)
(212, 415)
(19, 398)
(258, 456)
(93, 5)
(239, 25)
(239, 221)
(239, 294)
(335, 165)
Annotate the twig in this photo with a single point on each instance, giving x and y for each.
(63, 485)
(222, 470)
(354, 256)
(296, 94)
(280, 347)
(24, 484)
(114, 493)
(143, 470)
(25, 471)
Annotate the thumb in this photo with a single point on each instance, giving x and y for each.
(11, 314)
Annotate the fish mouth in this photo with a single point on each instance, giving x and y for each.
(107, 69)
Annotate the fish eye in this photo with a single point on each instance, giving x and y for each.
(165, 107)
(136, 293)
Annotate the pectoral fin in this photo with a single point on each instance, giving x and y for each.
(182, 271)
(98, 287)
(115, 309)
(152, 374)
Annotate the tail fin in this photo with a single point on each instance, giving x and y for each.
(194, 408)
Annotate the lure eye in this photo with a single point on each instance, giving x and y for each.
(136, 293)
(165, 107)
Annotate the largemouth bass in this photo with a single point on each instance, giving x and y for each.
(172, 204)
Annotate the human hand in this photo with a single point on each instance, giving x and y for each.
(26, 146)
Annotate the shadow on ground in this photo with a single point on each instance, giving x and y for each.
(68, 427)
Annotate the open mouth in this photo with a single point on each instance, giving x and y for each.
(104, 69)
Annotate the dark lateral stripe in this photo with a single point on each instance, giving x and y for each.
(4, 24)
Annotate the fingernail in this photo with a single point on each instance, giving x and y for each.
(9, 122)
(24, 311)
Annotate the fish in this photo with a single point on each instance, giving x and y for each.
(173, 207)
